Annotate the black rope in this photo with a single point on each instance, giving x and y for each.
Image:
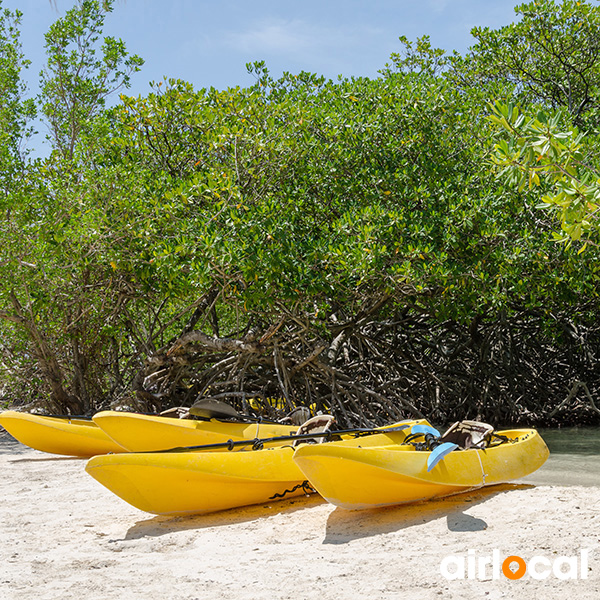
(305, 485)
(429, 443)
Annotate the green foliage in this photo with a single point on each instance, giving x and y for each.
(56, 300)
(323, 194)
(419, 57)
(296, 196)
(543, 151)
(76, 81)
(15, 111)
(551, 54)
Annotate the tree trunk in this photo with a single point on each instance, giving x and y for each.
(47, 360)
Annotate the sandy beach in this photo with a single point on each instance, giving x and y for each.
(63, 536)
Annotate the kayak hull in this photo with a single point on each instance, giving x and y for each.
(58, 435)
(352, 476)
(143, 433)
(185, 483)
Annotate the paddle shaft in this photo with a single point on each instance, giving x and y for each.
(260, 442)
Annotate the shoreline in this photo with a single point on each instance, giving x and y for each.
(63, 536)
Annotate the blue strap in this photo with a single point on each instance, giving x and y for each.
(439, 453)
(425, 429)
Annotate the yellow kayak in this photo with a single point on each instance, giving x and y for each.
(143, 433)
(58, 435)
(354, 475)
(196, 482)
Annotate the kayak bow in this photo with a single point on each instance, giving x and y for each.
(69, 436)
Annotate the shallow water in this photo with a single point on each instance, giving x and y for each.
(574, 457)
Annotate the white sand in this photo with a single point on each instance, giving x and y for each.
(63, 536)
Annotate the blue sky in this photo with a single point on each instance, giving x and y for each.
(209, 43)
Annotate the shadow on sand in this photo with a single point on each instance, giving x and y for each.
(344, 526)
(162, 525)
(45, 458)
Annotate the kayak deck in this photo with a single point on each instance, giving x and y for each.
(142, 433)
(58, 435)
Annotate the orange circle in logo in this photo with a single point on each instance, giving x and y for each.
(514, 574)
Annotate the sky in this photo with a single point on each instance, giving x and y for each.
(208, 43)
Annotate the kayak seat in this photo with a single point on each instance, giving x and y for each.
(468, 434)
(318, 424)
